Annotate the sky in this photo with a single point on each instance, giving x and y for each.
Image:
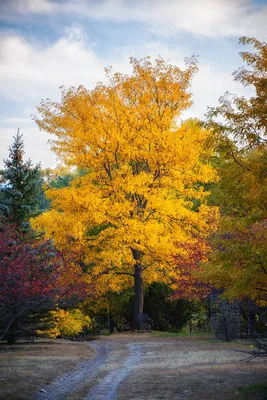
(45, 44)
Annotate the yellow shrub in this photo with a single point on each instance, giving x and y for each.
(67, 323)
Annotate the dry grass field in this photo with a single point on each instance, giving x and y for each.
(26, 367)
(129, 366)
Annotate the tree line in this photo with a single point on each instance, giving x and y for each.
(144, 200)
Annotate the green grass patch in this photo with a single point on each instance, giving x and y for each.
(181, 334)
(253, 392)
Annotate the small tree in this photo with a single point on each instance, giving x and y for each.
(66, 323)
(33, 277)
(22, 194)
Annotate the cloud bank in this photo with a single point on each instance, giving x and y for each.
(199, 17)
(32, 66)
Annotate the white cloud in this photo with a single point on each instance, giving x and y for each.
(199, 17)
(208, 85)
(29, 73)
(25, 7)
(28, 70)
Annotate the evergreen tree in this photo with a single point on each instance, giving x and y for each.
(22, 194)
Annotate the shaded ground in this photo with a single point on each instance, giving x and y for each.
(26, 367)
(146, 367)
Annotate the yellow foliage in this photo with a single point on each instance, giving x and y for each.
(67, 323)
(239, 262)
(147, 172)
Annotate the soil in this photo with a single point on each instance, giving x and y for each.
(148, 367)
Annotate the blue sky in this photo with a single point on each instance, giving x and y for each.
(48, 43)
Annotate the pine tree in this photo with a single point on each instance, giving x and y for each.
(22, 193)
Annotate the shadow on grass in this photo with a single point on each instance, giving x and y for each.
(252, 392)
(21, 345)
(193, 335)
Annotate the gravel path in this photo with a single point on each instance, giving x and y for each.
(107, 388)
(142, 367)
(67, 384)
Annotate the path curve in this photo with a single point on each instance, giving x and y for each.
(143, 367)
(67, 384)
(107, 388)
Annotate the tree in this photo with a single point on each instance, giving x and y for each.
(58, 177)
(66, 323)
(167, 314)
(138, 202)
(22, 194)
(238, 263)
(187, 285)
(241, 123)
(33, 278)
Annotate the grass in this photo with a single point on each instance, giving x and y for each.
(26, 367)
(182, 334)
(252, 392)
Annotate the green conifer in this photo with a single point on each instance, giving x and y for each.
(21, 194)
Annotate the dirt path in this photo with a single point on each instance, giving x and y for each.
(144, 367)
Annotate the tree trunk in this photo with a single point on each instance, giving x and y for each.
(138, 293)
(8, 327)
(11, 335)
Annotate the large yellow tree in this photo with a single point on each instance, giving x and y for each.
(143, 193)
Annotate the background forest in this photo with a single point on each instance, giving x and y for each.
(147, 212)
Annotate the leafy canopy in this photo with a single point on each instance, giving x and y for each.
(145, 168)
(242, 122)
(66, 323)
(239, 261)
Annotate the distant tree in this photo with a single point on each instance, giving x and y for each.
(240, 122)
(58, 177)
(167, 313)
(238, 263)
(115, 307)
(66, 323)
(187, 284)
(21, 195)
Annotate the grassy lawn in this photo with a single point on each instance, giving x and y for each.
(26, 367)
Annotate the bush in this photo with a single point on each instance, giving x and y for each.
(67, 323)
